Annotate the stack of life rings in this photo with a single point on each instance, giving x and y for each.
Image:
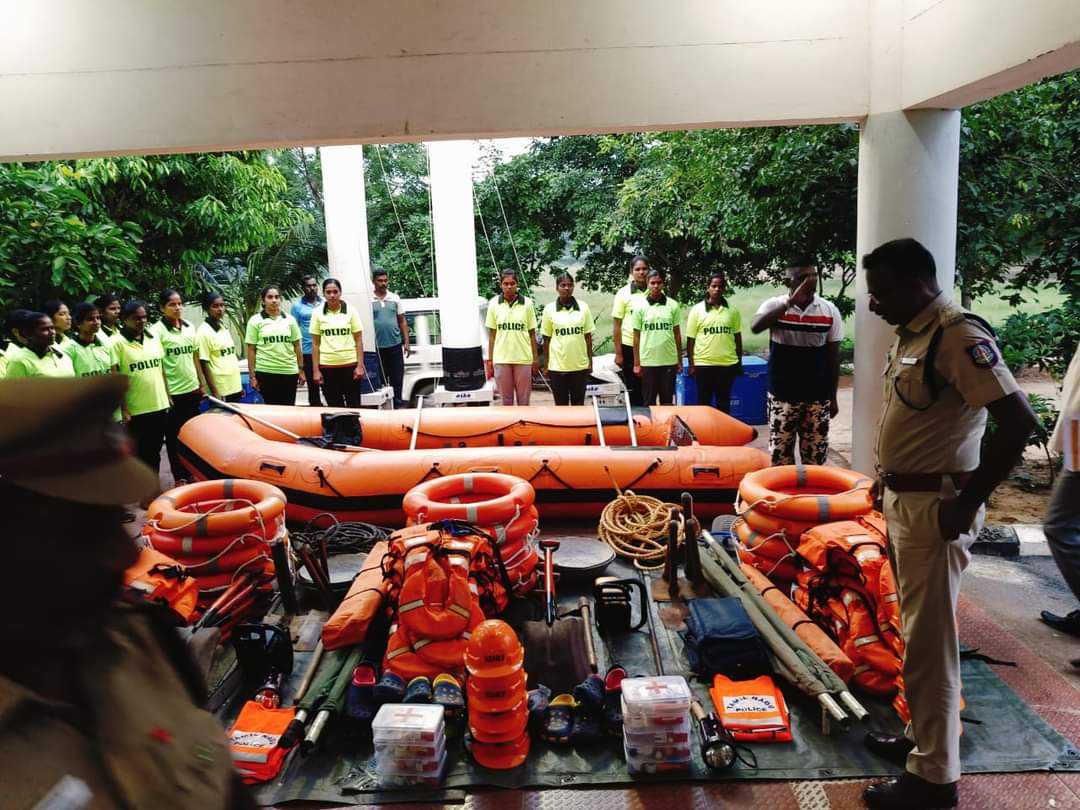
(777, 504)
(221, 531)
(501, 505)
(812, 530)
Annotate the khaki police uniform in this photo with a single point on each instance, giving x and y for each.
(919, 433)
(134, 741)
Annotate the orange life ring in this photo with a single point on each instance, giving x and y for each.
(213, 581)
(778, 571)
(434, 604)
(187, 547)
(439, 498)
(831, 493)
(227, 561)
(764, 523)
(175, 509)
(771, 547)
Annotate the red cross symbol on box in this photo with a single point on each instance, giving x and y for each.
(407, 715)
(655, 688)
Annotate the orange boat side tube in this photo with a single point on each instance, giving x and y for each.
(832, 493)
(508, 426)
(170, 511)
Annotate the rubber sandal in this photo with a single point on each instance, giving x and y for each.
(590, 692)
(418, 690)
(613, 724)
(539, 699)
(586, 726)
(359, 699)
(389, 689)
(446, 691)
(559, 722)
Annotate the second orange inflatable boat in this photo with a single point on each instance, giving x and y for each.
(506, 426)
(570, 480)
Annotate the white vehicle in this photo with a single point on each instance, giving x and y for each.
(423, 366)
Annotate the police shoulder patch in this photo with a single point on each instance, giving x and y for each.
(983, 354)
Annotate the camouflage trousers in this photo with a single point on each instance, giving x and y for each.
(807, 421)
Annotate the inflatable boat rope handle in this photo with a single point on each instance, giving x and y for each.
(782, 535)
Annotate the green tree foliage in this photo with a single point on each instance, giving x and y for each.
(134, 224)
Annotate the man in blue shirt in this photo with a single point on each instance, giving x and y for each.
(301, 311)
(391, 331)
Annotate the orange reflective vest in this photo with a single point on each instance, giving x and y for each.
(753, 710)
(253, 741)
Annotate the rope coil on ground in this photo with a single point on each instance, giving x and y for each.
(636, 528)
(352, 537)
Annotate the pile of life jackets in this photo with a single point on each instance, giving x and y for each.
(218, 530)
(441, 580)
(847, 588)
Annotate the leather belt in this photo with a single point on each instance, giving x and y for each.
(923, 482)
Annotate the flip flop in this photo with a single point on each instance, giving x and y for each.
(360, 700)
(590, 692)
(418, 690)
(559, 721)
(539, 699)
(446, 691)
(389, 689)
(613, 701)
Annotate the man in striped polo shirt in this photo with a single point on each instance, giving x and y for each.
(805, 332)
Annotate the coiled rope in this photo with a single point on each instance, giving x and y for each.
(636, 527)
(341, 537)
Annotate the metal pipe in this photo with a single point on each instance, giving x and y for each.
(630, 419)
(853, 706)
(599, 425)
(657, 660)
(416, 422)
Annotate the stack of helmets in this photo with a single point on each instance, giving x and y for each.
(219, 530)
(656, 724)
(410, 745)
(502, 505)
(497, 700)
(777, 504)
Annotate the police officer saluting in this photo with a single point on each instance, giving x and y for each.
(944, 373)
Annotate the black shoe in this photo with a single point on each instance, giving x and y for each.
(893, 747)
(1063, 624)
(910, 792)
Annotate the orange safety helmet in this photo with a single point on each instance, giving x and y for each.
(501, 756)
(496, 694)
(494, 650)
(511, 721)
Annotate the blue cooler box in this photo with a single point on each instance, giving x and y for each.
(749, 394)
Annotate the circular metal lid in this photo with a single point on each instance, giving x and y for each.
(582, 557)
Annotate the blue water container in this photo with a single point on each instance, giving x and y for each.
(251, 396)
(748, 394)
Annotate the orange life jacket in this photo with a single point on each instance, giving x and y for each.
(253, 741)
(753, 710)
(156, 578)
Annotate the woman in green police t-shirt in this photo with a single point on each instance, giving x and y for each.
(183, 373)
(61, 318)
(217, 352)
(146, 403)
(657, 341)
(273, 351)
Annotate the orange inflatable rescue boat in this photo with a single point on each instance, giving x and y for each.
(571, 480)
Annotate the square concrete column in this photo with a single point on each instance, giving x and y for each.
(908, 177)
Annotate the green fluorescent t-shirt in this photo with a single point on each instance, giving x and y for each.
(713, 330)
(219, 352)
(92, 359)
(657, 323)
(179, 346)
(274, 339)
(512, 323)
(140, 361)
(622, 307)
(565, 329)
(337, 346)
(25, 363)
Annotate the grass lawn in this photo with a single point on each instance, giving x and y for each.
(747, 300)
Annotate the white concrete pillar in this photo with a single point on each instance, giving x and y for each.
(908, 176)
(455, 263)
(347, 235)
